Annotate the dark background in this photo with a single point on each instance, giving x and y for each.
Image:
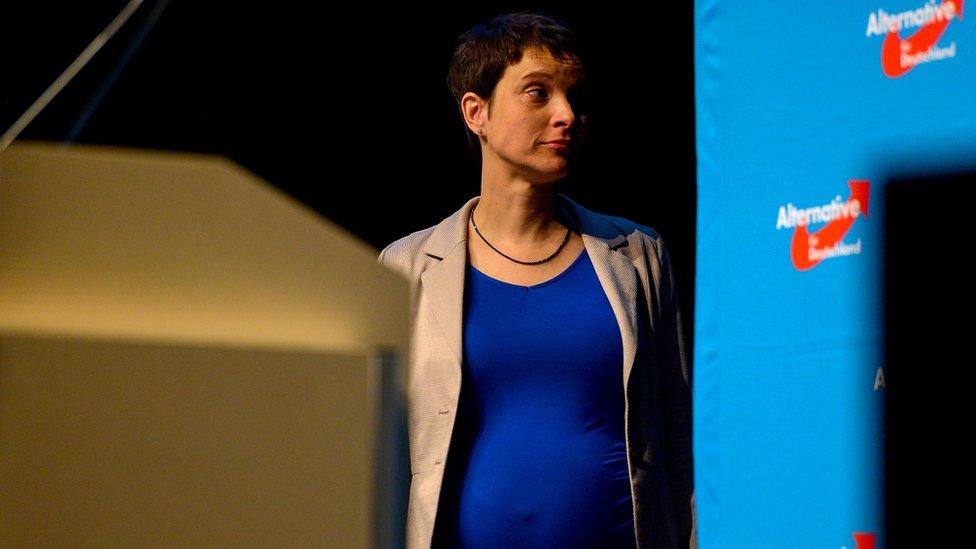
(348, 111)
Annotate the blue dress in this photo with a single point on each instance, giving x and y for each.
(538, 457)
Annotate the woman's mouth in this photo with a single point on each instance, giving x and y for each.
(557, 144)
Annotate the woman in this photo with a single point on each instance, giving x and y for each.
(572, 427)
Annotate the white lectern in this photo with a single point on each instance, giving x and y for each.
(189, 357)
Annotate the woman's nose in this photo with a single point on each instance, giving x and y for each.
(564, 115)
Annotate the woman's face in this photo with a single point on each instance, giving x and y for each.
(531, 128)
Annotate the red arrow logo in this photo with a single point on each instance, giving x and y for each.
(920, 42)
(831, 233)
(863, 540)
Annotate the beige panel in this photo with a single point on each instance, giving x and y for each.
(178, 345)
(119, 444)
(181, 247)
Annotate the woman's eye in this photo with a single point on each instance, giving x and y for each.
(538, 93)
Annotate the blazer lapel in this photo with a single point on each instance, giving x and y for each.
(605, 243)
(444, 279)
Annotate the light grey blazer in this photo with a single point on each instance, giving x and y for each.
(633, 267)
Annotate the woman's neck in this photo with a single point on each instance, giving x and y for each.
(518, 213)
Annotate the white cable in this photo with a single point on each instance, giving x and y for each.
(69, 73)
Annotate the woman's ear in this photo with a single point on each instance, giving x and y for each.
(475, 112)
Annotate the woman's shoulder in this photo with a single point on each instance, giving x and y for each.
(627, 227)
(409, 255)
(652, 251)
(403, 253)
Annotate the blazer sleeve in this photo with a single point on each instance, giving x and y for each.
(391, 257)
(381, 259)
(675, 378)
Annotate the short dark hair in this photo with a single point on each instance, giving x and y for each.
(485, 51)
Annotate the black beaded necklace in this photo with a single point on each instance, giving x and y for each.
(554, 254)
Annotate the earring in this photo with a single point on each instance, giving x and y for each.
(481, 131)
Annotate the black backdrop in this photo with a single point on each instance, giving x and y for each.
(348, 111)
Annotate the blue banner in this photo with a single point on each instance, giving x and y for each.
(804, 111)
